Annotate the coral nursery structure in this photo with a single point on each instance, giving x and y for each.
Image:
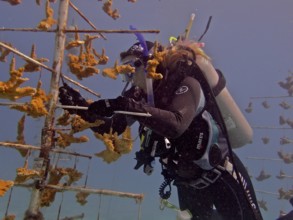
(45, 176)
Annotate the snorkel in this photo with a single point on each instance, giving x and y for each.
(149, 83)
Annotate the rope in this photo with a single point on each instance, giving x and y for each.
(139, 210)
(75, 162)
(87, 172)
(99, 208)
(8, 203)
(59, 209)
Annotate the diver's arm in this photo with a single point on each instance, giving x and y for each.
(176, 118)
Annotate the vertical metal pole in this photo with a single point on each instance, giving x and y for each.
(33, 211)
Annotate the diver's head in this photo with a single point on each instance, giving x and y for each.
(177, 62)
(135, 56)
(137, 50)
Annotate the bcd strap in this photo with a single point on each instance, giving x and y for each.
(221, 83)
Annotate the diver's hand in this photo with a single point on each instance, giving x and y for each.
(69, 96)
(106, 107)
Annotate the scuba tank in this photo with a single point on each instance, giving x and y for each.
(239, 130)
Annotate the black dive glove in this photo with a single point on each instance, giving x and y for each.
(69, 96)
(106, 107)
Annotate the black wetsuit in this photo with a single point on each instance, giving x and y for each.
(176, 117)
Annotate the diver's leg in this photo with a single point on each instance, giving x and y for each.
(251, 197)
(240, 205)
(198, 202)
(226, 199)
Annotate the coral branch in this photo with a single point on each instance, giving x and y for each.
(49, 21)
(5, 186)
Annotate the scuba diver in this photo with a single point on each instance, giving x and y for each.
(182, 126)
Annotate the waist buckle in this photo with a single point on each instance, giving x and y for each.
(206, 179)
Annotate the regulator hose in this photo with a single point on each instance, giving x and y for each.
(165, 194)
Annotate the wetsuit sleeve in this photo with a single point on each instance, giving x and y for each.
(173, 120)
(117, 122)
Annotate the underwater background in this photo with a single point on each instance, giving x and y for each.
(249, 41)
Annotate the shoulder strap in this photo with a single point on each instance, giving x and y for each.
(220, 85)
(202, 102)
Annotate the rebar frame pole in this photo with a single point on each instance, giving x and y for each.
(137, 197)
(47, 131)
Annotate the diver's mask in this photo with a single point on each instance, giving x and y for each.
(135, 62)
(137, 56)
(138, 78)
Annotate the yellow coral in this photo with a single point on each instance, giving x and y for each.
(154, 62)
(124, 145)
(64, 140)
(20, 135)
(81, 197)
(5, 185)
(56, 174)
(151, 70)
(103, 59)
(122, 69)
(49, 21)
(74, 63)
(13, 2)
(88, 41)
(20, 130)
(107, 7)
(78, 124)
(83, 65)
(32, 67)
(36, 107)
(74, 43)
(64, 119)
(90, 60)
(108, 155)
(73, 174)
(24, 174)
(10, 89)
(48, 195)
(115, 146)
(4, 52)
(9, 217)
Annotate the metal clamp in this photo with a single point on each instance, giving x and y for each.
(212, 175)
(206, 179)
